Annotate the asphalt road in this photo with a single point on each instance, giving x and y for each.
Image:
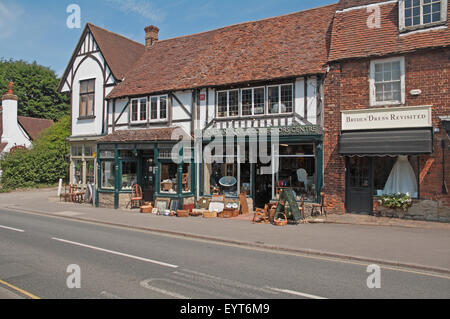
(115, 263)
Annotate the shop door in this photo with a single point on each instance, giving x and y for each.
(148, 178)
(359, 185)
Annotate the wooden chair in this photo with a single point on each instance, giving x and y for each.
(319, 207)
(136, 197)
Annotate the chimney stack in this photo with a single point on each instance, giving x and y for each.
(151, 35)
(9, 115)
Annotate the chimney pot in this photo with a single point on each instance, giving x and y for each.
(151, 35)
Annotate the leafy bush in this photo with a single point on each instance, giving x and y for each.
(45, 163)
(397, 201)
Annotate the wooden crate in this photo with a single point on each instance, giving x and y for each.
(148, 209)
(183, 213)
(209, 215)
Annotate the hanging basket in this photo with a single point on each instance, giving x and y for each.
(280, 221)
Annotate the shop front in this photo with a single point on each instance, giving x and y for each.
(383, 149)
(262, 163)
(150, 160)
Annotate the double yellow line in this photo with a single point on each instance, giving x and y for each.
(23, 292)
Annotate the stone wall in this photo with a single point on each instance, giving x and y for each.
(427, 210)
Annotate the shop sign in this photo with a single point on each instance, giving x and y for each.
(293, 130)
(387, 118)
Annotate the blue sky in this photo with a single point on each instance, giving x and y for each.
(35, 30)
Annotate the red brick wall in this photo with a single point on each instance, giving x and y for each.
(347, 87)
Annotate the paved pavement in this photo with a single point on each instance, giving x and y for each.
(421, 245)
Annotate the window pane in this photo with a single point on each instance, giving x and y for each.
(134, 110)
(427, 9)
(408, 3)
(247, 102)
(169, 181)
(83, 87)
(91, 86)
(88, 150)
(259, 99)
(222, 104)
(129, 175)
(408, 22)
(77, 151)
(90, 106)
(163, 107)
(77, 172)
(154, 108)
(274, 100)
(108, 171)
(234, 103)
(90, 172)
(143, 110)
(436, 17)
(286, 99)
(83, 105)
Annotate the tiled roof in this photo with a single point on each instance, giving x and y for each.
(280, 47)
(352, 38)
(346, 4)
(145, 135)
(119, 52)
(34, 126)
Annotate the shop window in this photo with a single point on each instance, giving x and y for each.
(77, 172)
(297, 171)
(253, 101)
(129, 175)
(222, 179)
(87, 96)
(391, 175)
(387, 78)
(108, 175)
(169, 178)
(186, 178)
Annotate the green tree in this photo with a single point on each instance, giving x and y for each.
(36, 87)
(44, 164)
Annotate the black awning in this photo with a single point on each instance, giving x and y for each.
(393, 142)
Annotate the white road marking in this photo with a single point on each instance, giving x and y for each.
(116, 253)
(146, 284)
(13, 229)
(296, 293)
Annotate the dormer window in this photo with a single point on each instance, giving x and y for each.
(416, 14)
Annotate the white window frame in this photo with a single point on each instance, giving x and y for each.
(139, 107)
(228, 103)
(279, 98)
(158, 119)
(402, 27)
(253, 101)
(373, 96)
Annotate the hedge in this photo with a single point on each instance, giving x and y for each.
(44, 164)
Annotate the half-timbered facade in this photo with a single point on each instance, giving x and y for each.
(99, 62)
(262, 78)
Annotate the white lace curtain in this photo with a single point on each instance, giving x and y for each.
(402, 179)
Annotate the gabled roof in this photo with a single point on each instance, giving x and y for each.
(34, 126)
(119, 52)
(281, 47)
(352, 38)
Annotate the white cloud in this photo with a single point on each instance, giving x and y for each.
(9, 18)
(144, 8)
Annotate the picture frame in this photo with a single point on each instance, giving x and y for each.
(174, 205)
(162, 204)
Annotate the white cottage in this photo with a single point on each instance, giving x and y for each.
(238, 81)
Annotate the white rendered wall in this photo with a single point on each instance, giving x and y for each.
(89, 69)
(13, 134)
